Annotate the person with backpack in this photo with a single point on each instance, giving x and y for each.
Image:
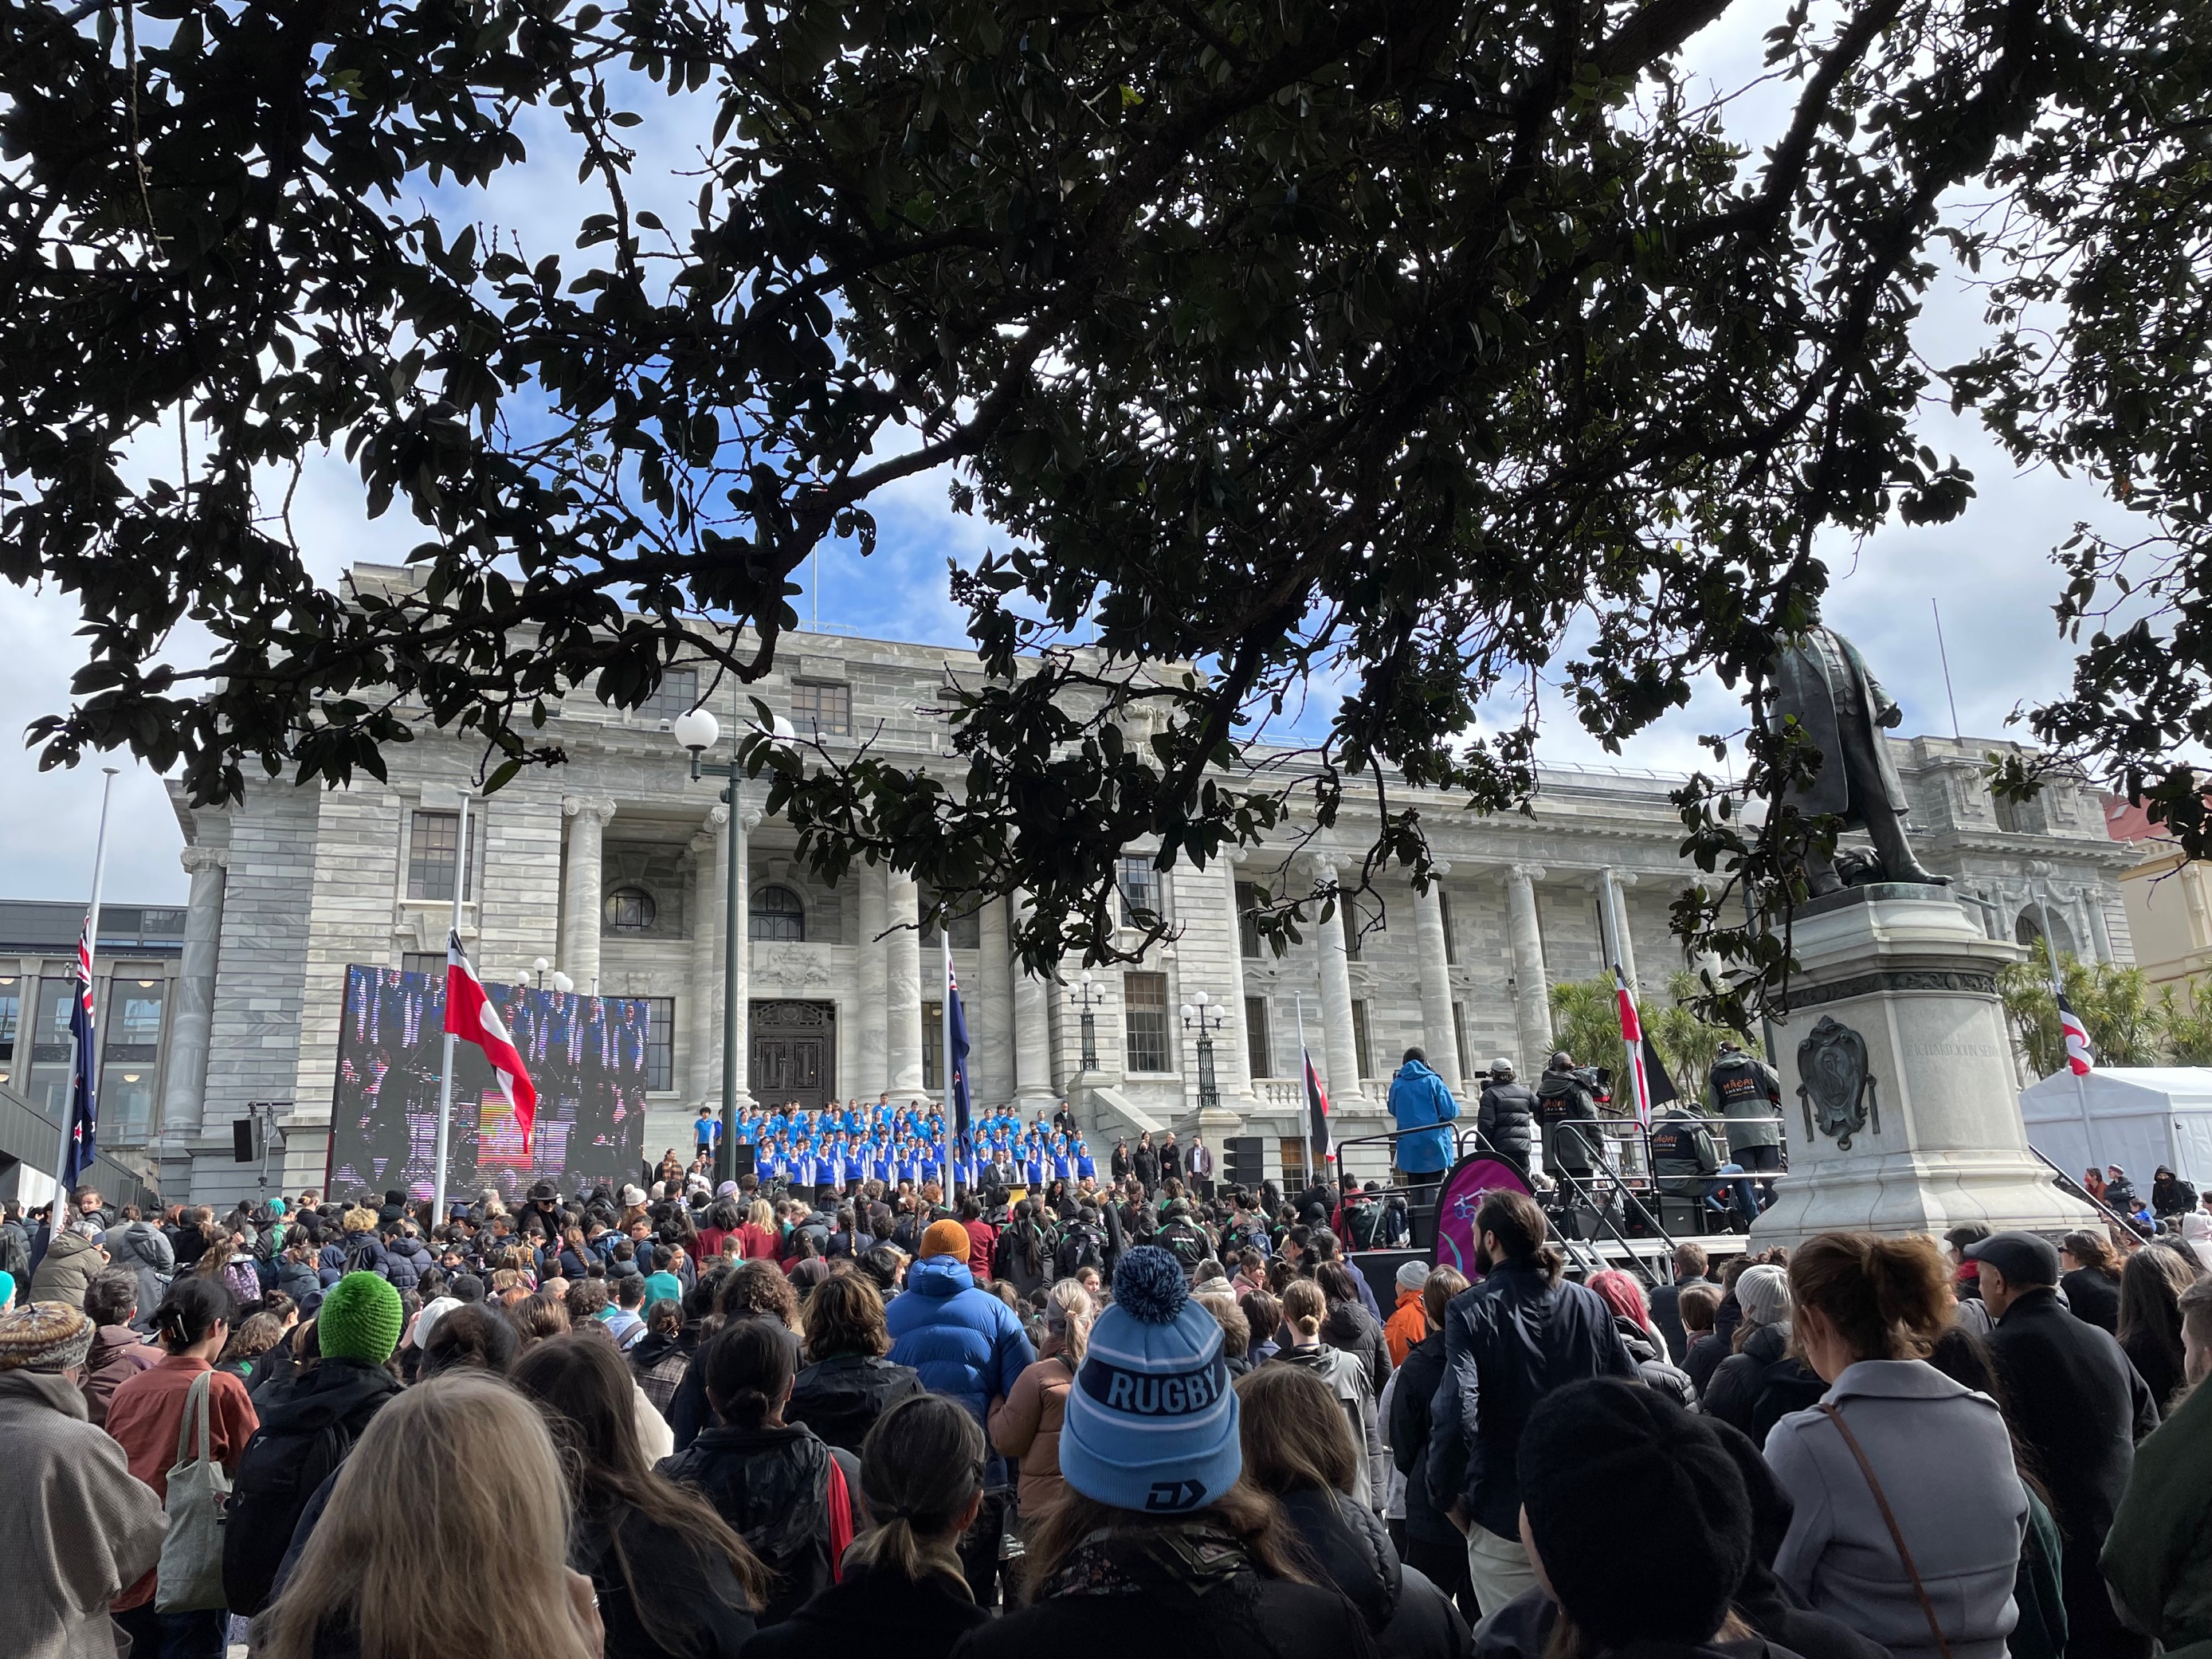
(305, 1438)
(1082, 1245)
(780, 1487)
(1183, 1238)
(360, 1251)
(1024, 1255)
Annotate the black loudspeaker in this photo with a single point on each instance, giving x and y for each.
(741, 1160)
(1245, 1161)
(246, 1140)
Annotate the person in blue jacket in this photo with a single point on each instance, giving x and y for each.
(968, 1346)
(1419, 1100)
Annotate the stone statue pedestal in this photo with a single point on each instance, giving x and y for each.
(1935, 1139)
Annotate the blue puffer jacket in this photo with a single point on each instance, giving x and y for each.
(329, 1263)
(966, 1343)
(1418, 1100)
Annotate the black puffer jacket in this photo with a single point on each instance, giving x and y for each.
(841, 1398)
(1507, 1118)
(1563, 1104)
(772, 1485)
(1408, 1617)
(1216, 1604)
(1758, 1385)
(406, 1260)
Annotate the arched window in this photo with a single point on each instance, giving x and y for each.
(777, 913)
(629, 911)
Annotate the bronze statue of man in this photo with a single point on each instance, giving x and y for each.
(1819, 677)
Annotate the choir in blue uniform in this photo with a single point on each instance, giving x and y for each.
(843, 1145)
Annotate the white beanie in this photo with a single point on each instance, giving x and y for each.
(1763, 1293)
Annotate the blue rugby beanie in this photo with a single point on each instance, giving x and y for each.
(1152, 1420)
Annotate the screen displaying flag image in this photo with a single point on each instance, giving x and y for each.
(585, 1058)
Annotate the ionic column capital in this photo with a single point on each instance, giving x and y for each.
(197, 859)
(601, 807)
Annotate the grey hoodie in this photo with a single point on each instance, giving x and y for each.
(144, 1249)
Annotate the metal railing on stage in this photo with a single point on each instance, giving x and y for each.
(1621, 1198)
(2067, 1184)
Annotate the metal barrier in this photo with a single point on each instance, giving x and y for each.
(2067, 1184)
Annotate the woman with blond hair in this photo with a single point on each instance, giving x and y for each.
(396, 1567)
(1025, 1425)
(1907, 1511)
(761, 1239)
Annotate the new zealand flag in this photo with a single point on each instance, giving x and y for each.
(83, 1103)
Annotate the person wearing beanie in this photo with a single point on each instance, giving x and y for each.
(1159, 1530)
(1408, 1323)
(1604, 1446)
(1494, 1374)
(93, 1529)
(308, 1435)
(968, 1346)
(1759, 1384)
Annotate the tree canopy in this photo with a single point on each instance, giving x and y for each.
(1392, 340)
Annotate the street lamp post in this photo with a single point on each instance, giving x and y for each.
(697, 732)
(1206, 1018)
(1087, 999)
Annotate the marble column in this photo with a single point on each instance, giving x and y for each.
(1232, 1052)
(1438, 1036)
(2100, 936)
(903, 1033)
(581, 896)
(184, 1089)
(1339, 1044)
(703, 1029)
(1532, 993)
(991, 1015)
(743, 820)
(1032, 1031)
(1612, 887)
(870, 1078)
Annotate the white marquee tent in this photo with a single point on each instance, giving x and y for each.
(2137, 1117)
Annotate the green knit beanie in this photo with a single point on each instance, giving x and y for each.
(360, 1319)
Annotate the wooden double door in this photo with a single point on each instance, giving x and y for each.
(794, 1054)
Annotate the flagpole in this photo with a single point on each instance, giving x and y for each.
(80, 1065)
(1305, 1106)
(952, 1150)
(2058, 991)
(446, 1071)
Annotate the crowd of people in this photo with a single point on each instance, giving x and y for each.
(769, 1421)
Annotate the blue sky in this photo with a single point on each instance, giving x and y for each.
(1989, 571)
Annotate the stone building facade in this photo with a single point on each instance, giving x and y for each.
(611, 868)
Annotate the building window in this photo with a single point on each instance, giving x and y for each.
(628, 910)
(677, 693)
(1443, 911)
(431, 964)
(777, 915)
(1259, 1047)
(933, 1045)
(11, 1016)
(1144, 1021)
(126, 1104)
(1292, 1150)
(431, 840)
(964, 923)
(660, 1043)
(1361, 1049)
(819, 710)
(1459, 1042)
(135, 996)
(2019, 817)
(50, 1048)
(1247, 919)
(1348, 913)
(1141, 901)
